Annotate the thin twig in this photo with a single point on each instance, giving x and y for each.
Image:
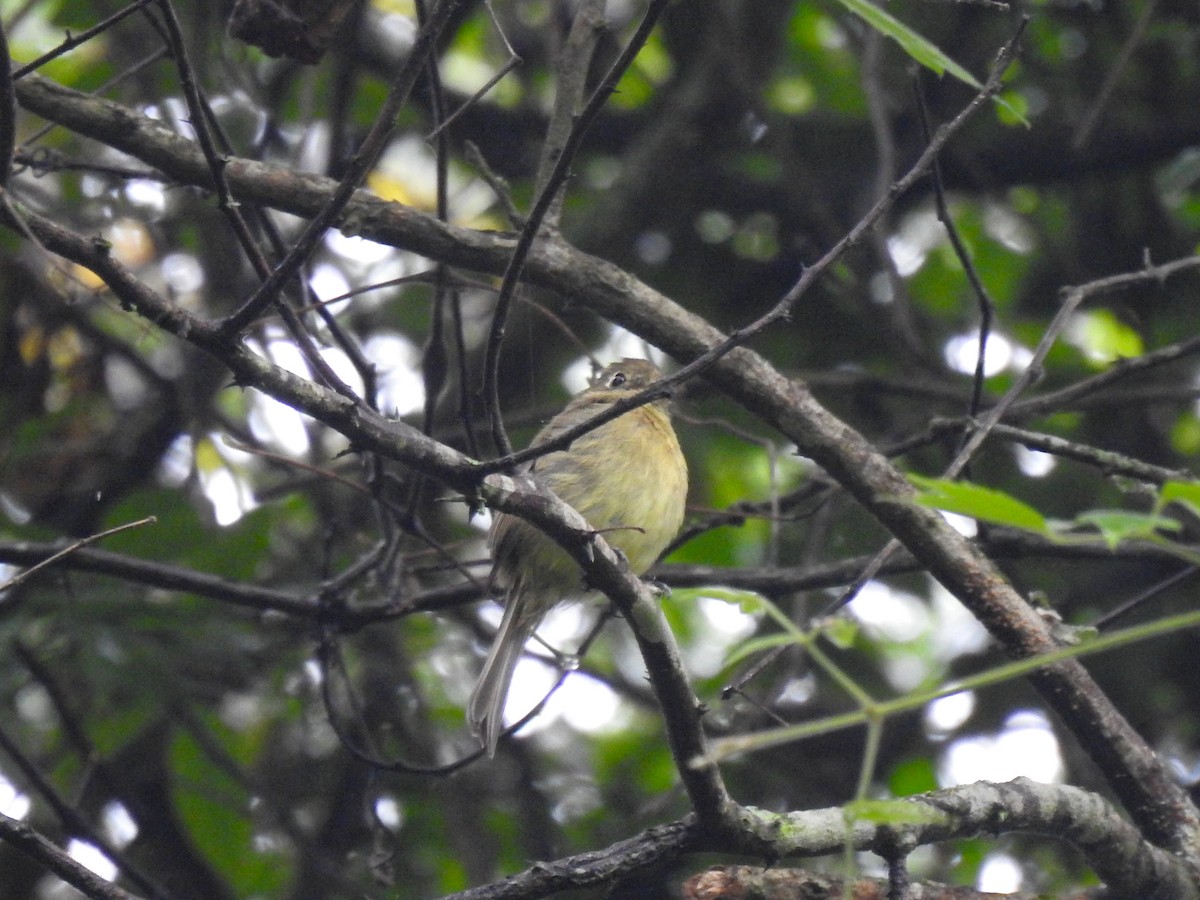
(571, 73)
(28, 841)
(508, 66)
(67, 551)
(983, 299)
(159, 53)
(1156, 275)
(558, 175)
(964, 456)
(72, 819)
(83, 37)
(900, 306)
(783, 307)
(511, 63)
(295, 463)
(199, 120)
(306, 343)
(8, 111)
(1087, 126)
(434, 357)
(331, 660)
(496, 182)
(360, 164)
(43, 161)
(1148, 594)
(1108, 461)
(1023, 380)
(1072, 298)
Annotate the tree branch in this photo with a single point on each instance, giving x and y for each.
(1112, 846)
(1139, 778)
(38, 848)
(604, 570)
(356, 171)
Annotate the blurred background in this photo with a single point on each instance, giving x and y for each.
(217, 735)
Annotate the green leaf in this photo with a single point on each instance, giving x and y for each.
(746, 601)
(1104, 338)
(215, 809)
(925, 52)
(178, 525)
(916, 46)
(1185, 434)
(977, 502)
(841, 631)
(758, 645)
(1014, 108)
(913, 776)
(1117, 525)
(1185, 493)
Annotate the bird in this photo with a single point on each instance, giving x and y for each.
(628, 478)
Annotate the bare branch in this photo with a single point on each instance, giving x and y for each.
(38, 848)
(67, 551)
(356, 171)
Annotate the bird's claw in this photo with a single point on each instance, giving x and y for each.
(658, 589)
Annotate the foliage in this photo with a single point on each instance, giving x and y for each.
(248, 678)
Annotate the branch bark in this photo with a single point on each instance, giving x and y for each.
(1159, 806)
(1112, 846)
(34, 845)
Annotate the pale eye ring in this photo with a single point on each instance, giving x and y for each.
(617, 380)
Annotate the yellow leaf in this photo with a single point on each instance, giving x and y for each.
(32, 345)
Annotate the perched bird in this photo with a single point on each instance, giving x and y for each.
(628, 478)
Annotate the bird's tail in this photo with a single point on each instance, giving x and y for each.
(485, 711)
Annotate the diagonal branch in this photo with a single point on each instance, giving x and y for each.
(1140, 779)
(549, 186)
(359, 165)
(602, 567)
(38, 848)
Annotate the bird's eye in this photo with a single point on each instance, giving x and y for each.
(617, 380)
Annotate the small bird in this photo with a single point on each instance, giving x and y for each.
(627, 478)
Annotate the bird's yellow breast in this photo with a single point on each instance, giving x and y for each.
(628, 478)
